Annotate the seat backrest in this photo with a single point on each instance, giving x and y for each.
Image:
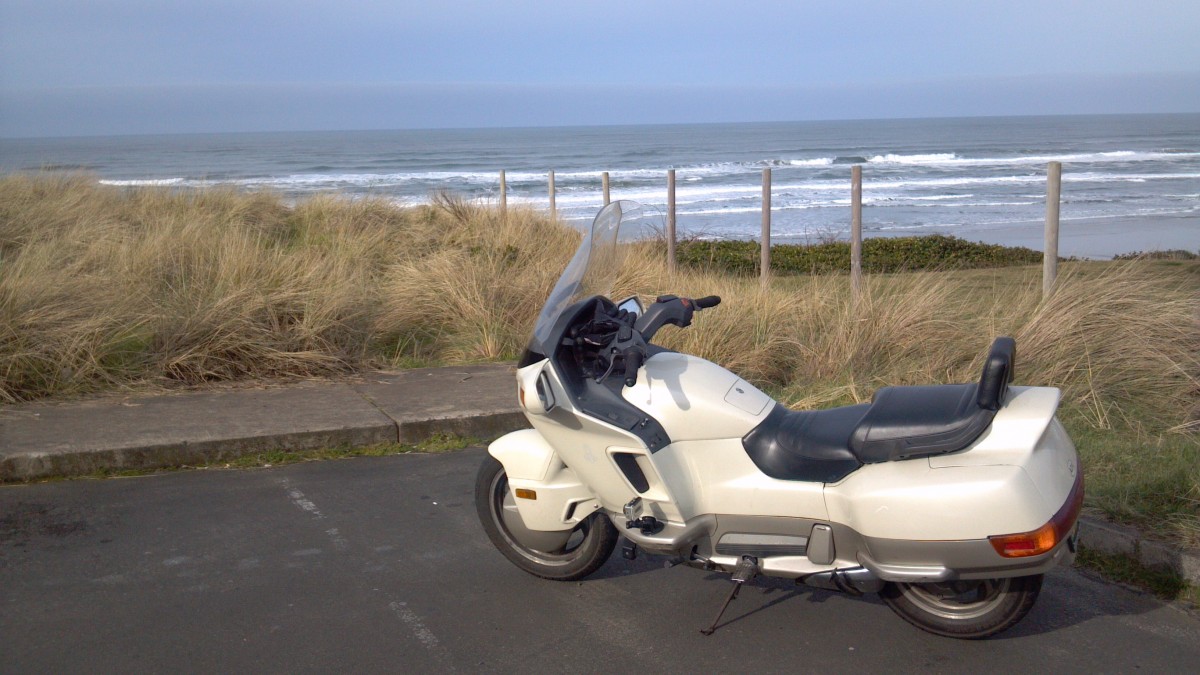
(997, 373)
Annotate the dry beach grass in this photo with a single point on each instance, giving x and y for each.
(104, 288)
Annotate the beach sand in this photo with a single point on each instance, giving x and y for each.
(1101, 238)
(1094, 238)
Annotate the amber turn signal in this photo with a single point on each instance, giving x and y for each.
(526, 494)
(1047, 536)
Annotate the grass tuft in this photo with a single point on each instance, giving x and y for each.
(1124, 569)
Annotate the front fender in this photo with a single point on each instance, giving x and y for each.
(560, 500)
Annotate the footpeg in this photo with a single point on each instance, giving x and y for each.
(747, 568)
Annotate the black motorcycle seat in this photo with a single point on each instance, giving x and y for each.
(809, 445)
(900, 423)
(909, 422)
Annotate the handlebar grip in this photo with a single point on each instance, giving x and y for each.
(633, 361)
(710, 301)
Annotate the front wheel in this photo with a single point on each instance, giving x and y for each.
(562, 556)
(964, 609)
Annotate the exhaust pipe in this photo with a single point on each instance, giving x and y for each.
(852, 580)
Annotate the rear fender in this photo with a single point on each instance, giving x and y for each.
(560, 500)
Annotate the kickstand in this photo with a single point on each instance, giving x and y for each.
(746, 569)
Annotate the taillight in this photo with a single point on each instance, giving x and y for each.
(1047, 536)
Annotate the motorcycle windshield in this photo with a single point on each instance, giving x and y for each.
(594, 268)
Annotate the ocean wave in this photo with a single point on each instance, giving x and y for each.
(951, 159)
(145, 182)
(937, 198)
(935, 158)
(702, 176)
(649, 185)
(1126, 178)
(815, 162)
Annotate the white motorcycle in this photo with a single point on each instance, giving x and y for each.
(950, 501)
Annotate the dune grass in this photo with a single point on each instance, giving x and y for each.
(104, 288)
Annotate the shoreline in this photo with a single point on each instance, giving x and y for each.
(1086, 238)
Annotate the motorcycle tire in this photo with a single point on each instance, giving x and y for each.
(964, 609)
(581, 552)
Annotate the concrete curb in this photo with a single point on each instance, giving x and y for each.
(485, 425)
(175, 430)
(1106, 537)
(84, 462)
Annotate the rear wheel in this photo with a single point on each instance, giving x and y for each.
(563, 556)
(964, 609)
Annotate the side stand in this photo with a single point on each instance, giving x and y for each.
(747, 569)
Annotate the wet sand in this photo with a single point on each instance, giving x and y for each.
(1098, 238)
(1101, 237)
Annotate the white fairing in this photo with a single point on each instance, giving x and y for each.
(697, 400)
(585, 444)
(717, 477)
(1012, 480)
(529, 462)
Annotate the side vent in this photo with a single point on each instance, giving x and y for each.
(627, 463)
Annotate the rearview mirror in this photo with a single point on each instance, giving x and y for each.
(631, 305)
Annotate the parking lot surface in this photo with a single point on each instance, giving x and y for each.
(380, 564)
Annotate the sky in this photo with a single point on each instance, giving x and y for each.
(95, 67)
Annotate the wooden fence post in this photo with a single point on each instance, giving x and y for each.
(671, 220)
(1050, 257)
(856, 229)
(604, 183)
(503, 194)
(553, 208)
(764, 262)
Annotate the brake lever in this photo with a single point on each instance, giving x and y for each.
(612, 363)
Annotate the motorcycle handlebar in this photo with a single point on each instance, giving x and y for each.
(633, 362)
(671, 309)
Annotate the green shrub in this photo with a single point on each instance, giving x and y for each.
(880, 255)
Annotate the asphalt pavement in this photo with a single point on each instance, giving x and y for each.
(380, 565)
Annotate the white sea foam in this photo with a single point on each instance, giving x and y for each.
(699, 180)
(936, 158)
(819, 161)
(145, 182)
(940, 198)
(953, 160)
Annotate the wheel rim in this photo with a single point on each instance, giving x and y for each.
(544, 548)
(958, 600)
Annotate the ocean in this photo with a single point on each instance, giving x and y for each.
(1129, 181)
